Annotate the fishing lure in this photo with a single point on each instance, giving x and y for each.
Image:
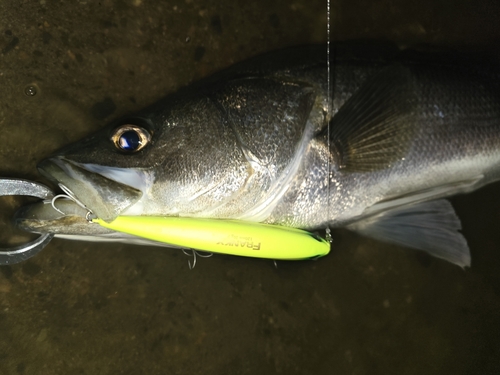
(231, 237)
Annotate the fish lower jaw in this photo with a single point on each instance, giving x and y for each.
(105, 197)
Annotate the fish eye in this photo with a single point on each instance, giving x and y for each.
(130, 138)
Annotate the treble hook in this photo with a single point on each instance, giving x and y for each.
(195, 253)
(16, 186)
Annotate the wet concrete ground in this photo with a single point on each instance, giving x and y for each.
(367, 308)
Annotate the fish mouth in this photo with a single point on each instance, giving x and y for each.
(100, 192)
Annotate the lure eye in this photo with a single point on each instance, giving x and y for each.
(130, 138)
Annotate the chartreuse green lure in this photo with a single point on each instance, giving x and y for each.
(224, 236)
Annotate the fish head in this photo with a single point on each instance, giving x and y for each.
(221, 152)
(167, 161)
(106, 172)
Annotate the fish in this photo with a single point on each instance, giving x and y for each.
(372, 140)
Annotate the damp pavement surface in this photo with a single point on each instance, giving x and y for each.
(69, 67)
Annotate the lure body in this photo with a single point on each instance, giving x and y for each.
(224, 236)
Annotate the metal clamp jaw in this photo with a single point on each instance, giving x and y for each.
(14, 186)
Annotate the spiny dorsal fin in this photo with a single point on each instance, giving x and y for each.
(373, 129)
(430, 226)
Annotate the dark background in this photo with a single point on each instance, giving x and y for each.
(84, 308)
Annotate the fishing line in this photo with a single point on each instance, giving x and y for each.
(329, 108)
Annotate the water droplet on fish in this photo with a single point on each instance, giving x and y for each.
(30, 90)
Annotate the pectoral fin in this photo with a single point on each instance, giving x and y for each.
(430, 226)
(373, 129)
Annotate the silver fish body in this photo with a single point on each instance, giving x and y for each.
(266, 141)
